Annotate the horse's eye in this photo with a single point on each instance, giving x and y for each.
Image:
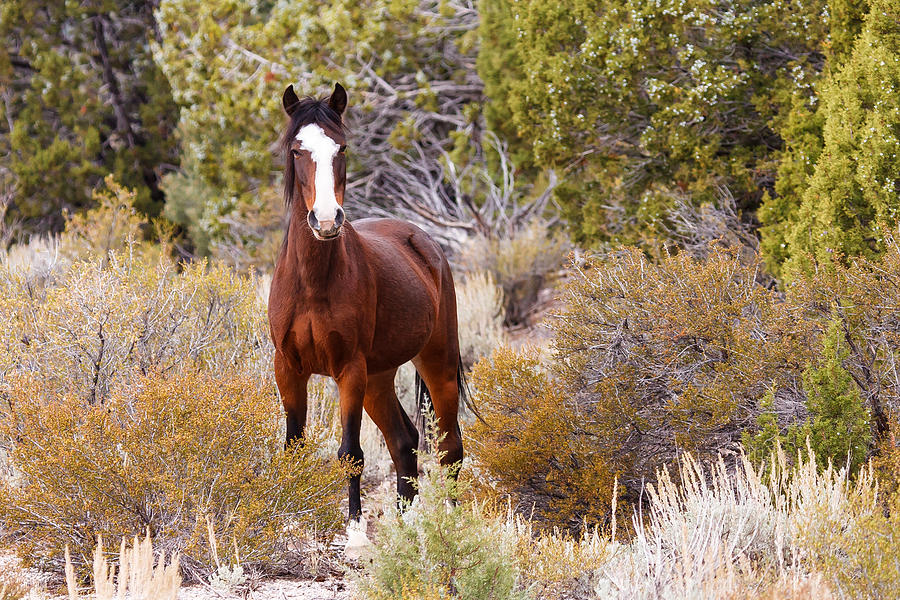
(342, 149)
(295, 153)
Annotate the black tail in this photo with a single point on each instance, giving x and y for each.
(424, 403)
(465, 395)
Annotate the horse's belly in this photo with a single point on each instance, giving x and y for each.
(405, 323)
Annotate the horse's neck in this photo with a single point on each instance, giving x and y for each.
(313, 263)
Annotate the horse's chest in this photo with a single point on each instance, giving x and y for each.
(322, 340)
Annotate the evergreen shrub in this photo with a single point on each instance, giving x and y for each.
(439, 548)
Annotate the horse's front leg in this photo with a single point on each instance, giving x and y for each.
(352, 389)
(292, 386)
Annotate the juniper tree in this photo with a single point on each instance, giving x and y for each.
(641, 102)
(855, 187)
(81, 98)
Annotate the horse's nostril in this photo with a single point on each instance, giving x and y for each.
(339, 218)
(313, 222)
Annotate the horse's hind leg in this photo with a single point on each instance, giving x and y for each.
(400, 434)
(439, 372)
(292, 386)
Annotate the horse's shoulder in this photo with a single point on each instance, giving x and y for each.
(393, 237)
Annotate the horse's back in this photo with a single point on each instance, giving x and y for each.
(387, 237)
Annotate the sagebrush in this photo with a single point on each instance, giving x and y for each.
(169, 454)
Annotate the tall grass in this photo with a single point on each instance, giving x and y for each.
(731, 531)
(140, 576)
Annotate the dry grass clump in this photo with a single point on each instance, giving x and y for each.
(556, 565)
(803, 532)
(479, 306)
(523, 264)
(137, 578)
(168, 453)
(780, 532)
(12, 587)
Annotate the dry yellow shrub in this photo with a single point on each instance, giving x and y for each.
(671, 357)
(528, 445)
(887, 463)
(113, 224)
(103, 323)
(165, 454)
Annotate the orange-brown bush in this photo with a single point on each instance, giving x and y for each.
(172, 454)
(672, 357)
(528, 447)
(651, 360)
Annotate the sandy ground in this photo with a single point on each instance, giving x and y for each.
(279, 589)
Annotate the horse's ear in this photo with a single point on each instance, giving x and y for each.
(290, 99)
(338, 100)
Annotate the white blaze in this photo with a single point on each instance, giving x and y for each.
(322, 148)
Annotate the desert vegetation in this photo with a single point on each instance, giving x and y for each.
(673, 228)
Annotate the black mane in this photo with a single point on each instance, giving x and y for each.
(306, 111)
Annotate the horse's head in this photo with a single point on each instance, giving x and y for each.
(316, 168)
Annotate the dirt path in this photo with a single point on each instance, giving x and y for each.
(278, 589)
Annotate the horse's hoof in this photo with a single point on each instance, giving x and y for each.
(357, 540)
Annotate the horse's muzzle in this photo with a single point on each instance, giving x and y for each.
(326, 230)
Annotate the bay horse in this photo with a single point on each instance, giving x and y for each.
(354, 301)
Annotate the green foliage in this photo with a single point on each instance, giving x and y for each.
(839, 429)
(177, 454)
(403, 63)
(439, 548)
(640, 100)
(853, 191)
(767, 438)
(800, 128)
(82, 97)
(498, 64)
